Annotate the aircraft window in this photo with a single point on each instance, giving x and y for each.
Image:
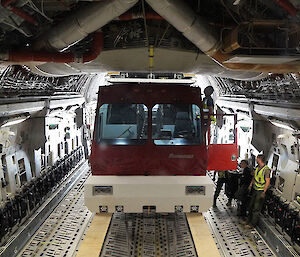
(281, 184)
(275, 161)
(176, 124)
(122, 124)
(274, 168)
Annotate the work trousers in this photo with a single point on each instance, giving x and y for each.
(243, 199)
(231, 186)
(255, 207)
(219, 186)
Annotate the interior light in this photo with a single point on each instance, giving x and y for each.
(281, 125)
(281, 136)
(14, 122)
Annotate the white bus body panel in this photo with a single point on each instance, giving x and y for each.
(132, 193)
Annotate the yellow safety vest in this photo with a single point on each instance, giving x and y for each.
(205, 109)
(259, 178)
(206, 112)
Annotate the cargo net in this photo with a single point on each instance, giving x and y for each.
(16, 81)
(148, 235)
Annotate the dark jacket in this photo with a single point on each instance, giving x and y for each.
(246, 177)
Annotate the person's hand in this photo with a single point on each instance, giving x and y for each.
(263, 194)
(249, 188)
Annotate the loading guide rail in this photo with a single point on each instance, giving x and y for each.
(62, 231)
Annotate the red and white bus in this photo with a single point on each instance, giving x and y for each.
(150, 150)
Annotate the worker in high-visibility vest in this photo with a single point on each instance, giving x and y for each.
(208, 106)
(259, 186)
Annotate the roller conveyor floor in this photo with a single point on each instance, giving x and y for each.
(179, 235)
(148, 234)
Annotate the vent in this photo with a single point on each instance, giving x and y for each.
(195, 190)
(102, 190)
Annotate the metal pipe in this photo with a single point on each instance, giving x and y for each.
(8, 4)
(288, 6)
(25, 16)
(185, 20)
(198, 31)
(70, 31)
(32, 56)
(274, 68)
(83, 22)
(57, 57)
(95, 50)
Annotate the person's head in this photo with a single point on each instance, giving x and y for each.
(244, 164)
(208, 90)
(261, 160)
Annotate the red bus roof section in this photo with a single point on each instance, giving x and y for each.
(149, 94)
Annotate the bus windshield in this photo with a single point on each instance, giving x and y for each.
(122, 124)
(176, 124)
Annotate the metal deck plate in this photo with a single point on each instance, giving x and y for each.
(230, 235)
(148, 235)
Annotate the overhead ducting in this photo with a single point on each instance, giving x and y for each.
(287, 6)
(185, 20)
(206, 38)
(70, 31)
(85, 21)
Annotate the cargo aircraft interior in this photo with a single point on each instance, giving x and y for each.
(150, 128)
